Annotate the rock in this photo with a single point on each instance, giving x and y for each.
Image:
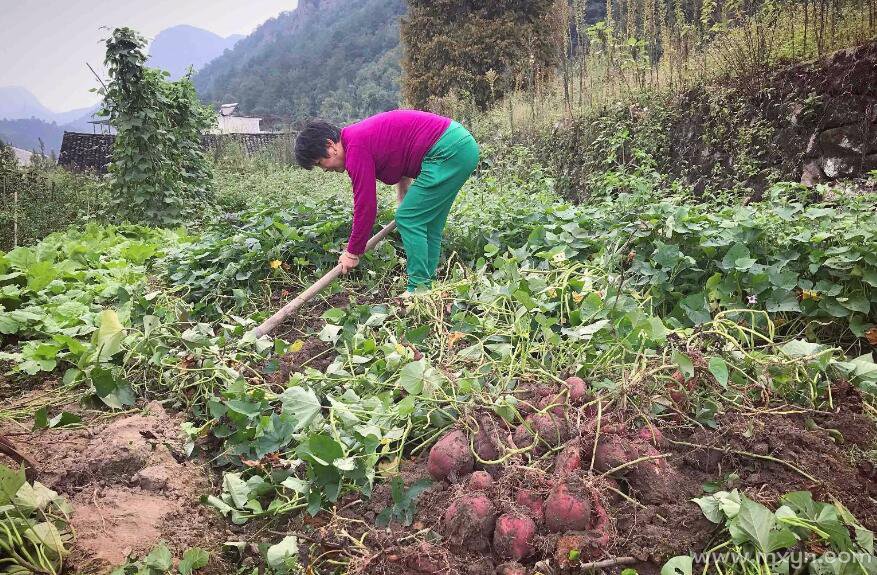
(843, 140)
(154, 478)
(812, 173)
(840, 166)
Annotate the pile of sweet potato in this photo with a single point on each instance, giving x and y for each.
(492, 512)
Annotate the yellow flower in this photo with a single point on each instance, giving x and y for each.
(275, 264)
(578, 297)
(810, 294)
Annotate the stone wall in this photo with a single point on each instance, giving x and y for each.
(810, 122)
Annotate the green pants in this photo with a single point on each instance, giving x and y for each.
(421, 216)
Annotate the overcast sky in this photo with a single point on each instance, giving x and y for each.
(44, 44)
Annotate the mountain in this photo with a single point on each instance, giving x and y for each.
(17, 102)
(27, 134)
(179, 47)
(338, 59)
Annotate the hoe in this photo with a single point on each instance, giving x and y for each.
(272, 322)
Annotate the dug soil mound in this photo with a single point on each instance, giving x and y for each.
(618, 493)
(130, 487)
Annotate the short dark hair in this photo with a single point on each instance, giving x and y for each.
(310, 145)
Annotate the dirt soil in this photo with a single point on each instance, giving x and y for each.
(654, 519)
(130, 486)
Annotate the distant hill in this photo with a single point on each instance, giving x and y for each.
(27, 133)
(17, 103)
(179, 47)
(333, 58)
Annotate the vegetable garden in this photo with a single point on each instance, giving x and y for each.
(638, 384)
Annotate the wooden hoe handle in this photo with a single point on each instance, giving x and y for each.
(272, 322)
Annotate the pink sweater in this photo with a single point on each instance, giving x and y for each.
(386, 147)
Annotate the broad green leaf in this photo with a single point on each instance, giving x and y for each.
(193, 559)
(160, 558)
(756, 521)
(36, 496)
(302, 403)
(684, 363)
(320, 449)
(278, 555)
(719, 368)
(8, 325)
(236, 488)
(679, 565)
(46, 534)
(710, 507)
(801, 348)
(64, 419)
(411, 377)
(109, 336)
(41, 418)
(11, 481)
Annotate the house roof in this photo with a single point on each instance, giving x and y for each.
(23, 156)
(228, 109)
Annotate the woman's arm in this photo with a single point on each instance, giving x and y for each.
(402, 188)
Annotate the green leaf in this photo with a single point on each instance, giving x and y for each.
(738, 252)
(679, 565)
(302, 403)
(710, 507)
(36, 496)
(277, 556)
(160, 558)
(320, 449)
(41, 418)
(193, 559)
(684, 363)
(109, 336)
(756, 521)
(857, 303)
(64, 419)
(46, 534)
(801, 348)
(114, 392)
(11, 481)
(8, 326)
(237, 489)
(411, 377)
(719, 369)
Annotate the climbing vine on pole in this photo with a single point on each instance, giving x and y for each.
(159, 174)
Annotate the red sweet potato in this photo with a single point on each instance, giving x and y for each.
(480, 481)
(531, 502)
(513, 536)
(450, 457)
(511, 568)
(485, 441)
(552, 430)
(611, 452)
(567, 509)
(568, 460)
(556, 405)
(470, 521)
(654, 480)
(578, 391)
(651, 434)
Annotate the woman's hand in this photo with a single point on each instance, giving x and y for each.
(402, 188)
(348, 261)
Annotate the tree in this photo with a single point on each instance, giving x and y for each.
(159, 173)
(451, 45)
